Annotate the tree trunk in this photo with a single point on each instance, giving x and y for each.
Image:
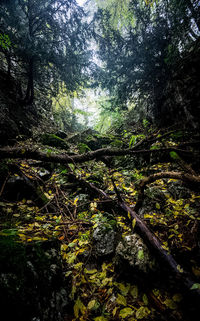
(30, 86)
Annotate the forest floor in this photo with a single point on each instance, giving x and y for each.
(72, 200)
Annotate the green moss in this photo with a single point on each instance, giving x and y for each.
(54, 141)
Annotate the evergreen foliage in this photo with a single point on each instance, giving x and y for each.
(139, 44)
(49, 45)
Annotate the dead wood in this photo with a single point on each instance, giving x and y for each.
(64, 158)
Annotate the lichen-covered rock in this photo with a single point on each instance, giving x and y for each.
(104, 238)
(32, 285)
(135, 253)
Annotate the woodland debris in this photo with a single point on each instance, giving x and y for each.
(152, 242)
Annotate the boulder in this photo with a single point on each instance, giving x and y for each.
(53, 141)
(104, 238)
(132, 253)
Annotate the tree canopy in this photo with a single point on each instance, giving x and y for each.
(49, 45)
(139, 42)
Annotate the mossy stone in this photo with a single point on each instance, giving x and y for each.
(54, 141)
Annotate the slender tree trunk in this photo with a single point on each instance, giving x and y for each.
(30, 86)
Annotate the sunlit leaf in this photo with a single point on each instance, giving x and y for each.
(71, 257)
(142, 313)
(90, 271)
(121, 300)
(126, 312)
(158, 206)
(195, 286)
(91, 304)
(72, 244)
(78, 266)
(68, 273)
(133, 223)
(107, 281)
(79, 307)
(114, 311)
(179, 269)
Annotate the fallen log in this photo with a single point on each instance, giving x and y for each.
(149, 238)
(64, 158)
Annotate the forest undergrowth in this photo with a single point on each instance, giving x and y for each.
(66, 207)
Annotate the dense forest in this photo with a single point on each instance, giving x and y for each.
(99, 160)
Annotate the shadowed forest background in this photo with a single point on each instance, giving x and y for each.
(99, 149)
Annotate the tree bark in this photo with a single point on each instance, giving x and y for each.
(30, 153)
(30, 86)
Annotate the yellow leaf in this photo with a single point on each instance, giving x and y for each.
(148, 216)
(179, 269)
(68, 273)
(121, 300)
(142, 313)
(80, 251)
(90, 271)
(133, 223)
(91, 304)
(78, 266)
(64, 247)
(71, 257)
(73, 227)
(107, 281)
(114, 311)
(158, 206)
(126, 312)
(75, 201)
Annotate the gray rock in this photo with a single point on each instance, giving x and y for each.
(104, 238)
(178, 190)
(135, 253)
